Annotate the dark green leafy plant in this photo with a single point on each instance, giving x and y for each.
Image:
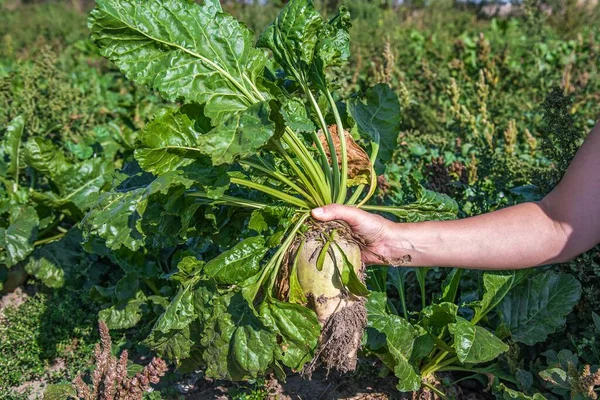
(260, 140)
(451, 334)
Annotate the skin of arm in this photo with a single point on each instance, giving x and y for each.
(556, 229)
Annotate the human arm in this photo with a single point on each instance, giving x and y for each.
(561, 226)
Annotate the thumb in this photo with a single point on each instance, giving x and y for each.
(336, 211)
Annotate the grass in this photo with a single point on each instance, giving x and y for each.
(48, 338)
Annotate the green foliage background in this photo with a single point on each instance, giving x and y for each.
(474, 90)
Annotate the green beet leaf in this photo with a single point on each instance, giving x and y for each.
(475, 344)
(299, 330)
(238, 263)
(238, 345)
(539, 306)
(78, 186)
(497, 285)
(55, 262)
(126, 315)
(186, 51)
(175, 345)
(378, 121)
(10, 148)
(239, 136)
(429, 206)
(294, 34)
(45, 157)
(439, 315)
(117, 215)
(179, 314)
(168, 142)
(17, 237)
(400, 338)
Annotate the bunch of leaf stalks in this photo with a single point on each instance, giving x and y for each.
(257, 122)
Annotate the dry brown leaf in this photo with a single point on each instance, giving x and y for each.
(359, 165)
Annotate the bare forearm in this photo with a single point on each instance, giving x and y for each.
(516, 237)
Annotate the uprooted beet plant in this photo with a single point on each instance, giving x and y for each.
(257, 139)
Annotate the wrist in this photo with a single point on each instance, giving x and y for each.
(399, 246)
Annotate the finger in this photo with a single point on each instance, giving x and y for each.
(332, 212)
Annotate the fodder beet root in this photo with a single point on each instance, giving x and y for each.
(342, 315)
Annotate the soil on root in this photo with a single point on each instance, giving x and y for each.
(342, 315)
(340, 340)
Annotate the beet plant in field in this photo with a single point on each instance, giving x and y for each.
(223, 188)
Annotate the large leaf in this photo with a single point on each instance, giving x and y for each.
(294, 34)
(400, 336)
(124, 316)
(239, 136)
(184, 50)
(117, 215)
(18, 236)
(10, 147)
(475, 344)
(174, 345)
(78, 186)
(333, 47)
(238, 263)
(439, 315)
(299, 330)
(497, 285)
(53, 263)
(45, 157)
(539, 307)
(168, 142)
(179, 314)
(378, 120)
(238, 345)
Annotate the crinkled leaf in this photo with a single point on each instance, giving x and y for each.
(295, 116)
(187, 268)
(333, 48)
(239, 136)
(475, 344)
(45, 157)
(185, 50)
(79, 186)
(18, 236)
(174, 345)
(116, 216)
(168, 142)
(511, 394)
(124, 316)
(10, 146)
(400, 337)
(238, 263)
(539, 307)
(54, 262)
(179, 314)
(378, 121)
(294, 34)
(439, 315)
(429, 206)
(298, 327)
(238, 345)
(497, 285)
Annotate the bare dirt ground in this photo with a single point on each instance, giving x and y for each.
(319, 388)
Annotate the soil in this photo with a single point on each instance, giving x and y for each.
(319, 388)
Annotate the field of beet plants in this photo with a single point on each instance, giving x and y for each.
(159, 160)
